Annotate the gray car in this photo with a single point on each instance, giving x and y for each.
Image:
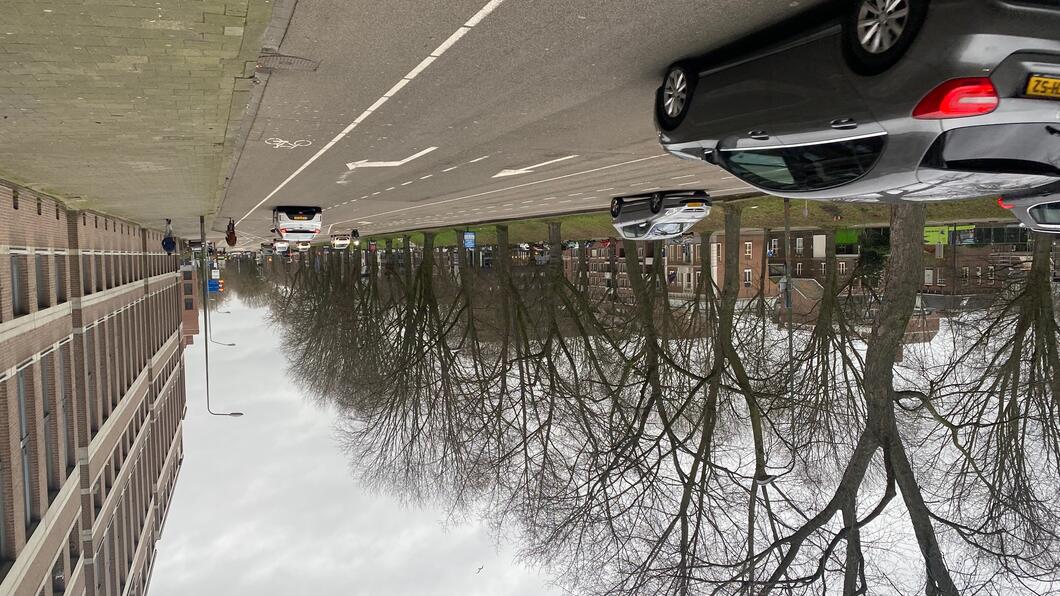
(1037, 210)
(879, 100)
(658, 215)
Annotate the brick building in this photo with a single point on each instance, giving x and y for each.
(91, 398)
(189, 302)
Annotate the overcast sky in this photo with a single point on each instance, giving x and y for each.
(266, 504)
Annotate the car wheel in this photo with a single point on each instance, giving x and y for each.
(877, 33)
(674, 97)
(616, 207)
(655, 203)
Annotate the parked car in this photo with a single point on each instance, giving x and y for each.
(658, 215)
(1037, 210)
(296, 224)
(304, 246)
(281, 246)
(872, 101)
(267, 249)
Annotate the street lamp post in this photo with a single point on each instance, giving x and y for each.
(206, 321)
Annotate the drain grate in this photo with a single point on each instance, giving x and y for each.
(271, 62)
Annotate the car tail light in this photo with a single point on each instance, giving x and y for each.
(1001, 203)
(958, 98)
(283, 230)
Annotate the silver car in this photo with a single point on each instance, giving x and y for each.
(879, 100)
(1037, 210)
(658, 215)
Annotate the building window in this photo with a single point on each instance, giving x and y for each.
(941, 275)
(842, 267)
(990, 273)
(746, 278)
(42, 281)
(798, 268)
(748, 248)
(964, 274)
(824, 268)
(929, 277)
(19, 301)
(51, 447)
(59, 270)
(69, 456)
(774, 245)
(24, 447)
(798, 246)
(86, 274)
(188, 290)
(186, 275)
(189, 304)
(58, 577)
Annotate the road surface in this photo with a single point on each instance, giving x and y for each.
(402, 114)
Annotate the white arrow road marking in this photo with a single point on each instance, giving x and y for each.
(517, 186)
(475, 19)
(529, 169)
(364, 163)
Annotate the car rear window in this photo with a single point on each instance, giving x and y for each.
(1027, 149)
(807, 167)
(1048, 214)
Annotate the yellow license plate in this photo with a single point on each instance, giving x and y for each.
(300, 217)
(693, 204)
(1042, 86)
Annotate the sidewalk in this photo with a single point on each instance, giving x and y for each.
(129, 107)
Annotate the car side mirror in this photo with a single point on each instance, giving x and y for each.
(710, 156)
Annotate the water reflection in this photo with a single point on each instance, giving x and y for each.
(654, 420)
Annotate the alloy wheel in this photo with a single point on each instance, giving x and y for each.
(675, 93)
(881, 24)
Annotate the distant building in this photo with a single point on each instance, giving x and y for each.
(91, 398)
(190, 291)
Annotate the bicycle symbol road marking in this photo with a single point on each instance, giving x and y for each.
(278, 143)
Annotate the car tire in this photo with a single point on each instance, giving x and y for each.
(869, 51)
(655, 203)
(616, 207)
(678, 85)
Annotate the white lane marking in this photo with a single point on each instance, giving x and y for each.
(426, 177)
(690, 183)
(605, 189)
(682, 177)
(650, 188)
(391, 188)
(548, 198)
(527, 202)
(523, 185)
(407, 183)
(364, 163)
(450, 169)
(478, 159)
(530, 169)
(475, 19)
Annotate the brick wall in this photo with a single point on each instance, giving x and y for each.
(89, 332)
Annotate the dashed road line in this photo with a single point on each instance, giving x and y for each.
(523, 185)
(475, 19)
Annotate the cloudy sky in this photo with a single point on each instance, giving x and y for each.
(266, 504)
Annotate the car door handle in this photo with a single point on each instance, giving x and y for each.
(758, 135)
(844, 123)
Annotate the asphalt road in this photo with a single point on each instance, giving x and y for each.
(468, 89)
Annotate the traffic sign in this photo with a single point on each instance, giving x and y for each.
(213, 285)
(469, 240)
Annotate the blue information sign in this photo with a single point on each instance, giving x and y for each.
(469, 240)
(213, 285)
